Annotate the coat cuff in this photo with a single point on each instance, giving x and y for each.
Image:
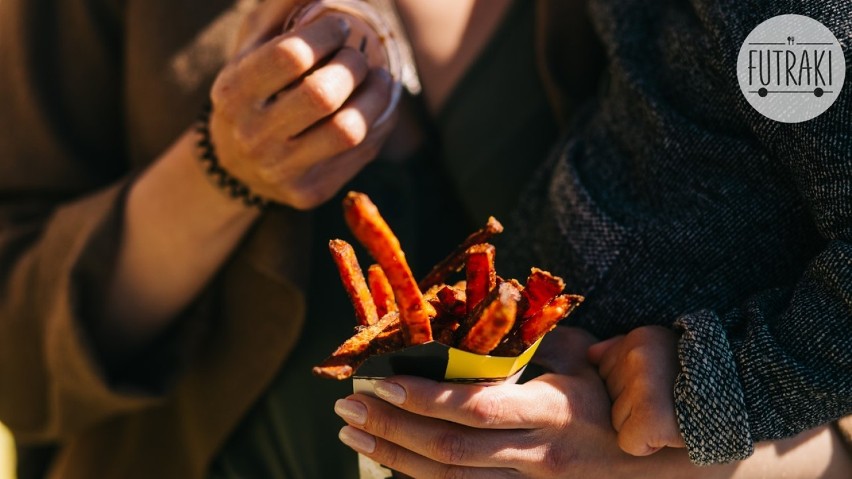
(709, 399)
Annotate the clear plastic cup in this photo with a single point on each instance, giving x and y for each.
(369, 33)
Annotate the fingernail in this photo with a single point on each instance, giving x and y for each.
(354, 411)
(383, 75)
(390, 392)
(344, 25)
(358, 440)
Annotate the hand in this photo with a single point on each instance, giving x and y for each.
(290, 125)
(640, 371)
(556, 425)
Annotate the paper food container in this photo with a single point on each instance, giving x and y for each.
(439, 362)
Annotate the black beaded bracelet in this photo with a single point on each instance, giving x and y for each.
(220, 177)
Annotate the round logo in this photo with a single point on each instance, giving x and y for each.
(791, 68)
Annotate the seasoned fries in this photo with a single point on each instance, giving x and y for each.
(492, 321)
(381, 290)
(454, 262)
(354, 282)
(541, 288)
(482, 314)
(370, 228)
(343, 362)
(481, 277)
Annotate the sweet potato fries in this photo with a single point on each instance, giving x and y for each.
(483, 314)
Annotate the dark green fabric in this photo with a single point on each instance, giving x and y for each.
(432, 202)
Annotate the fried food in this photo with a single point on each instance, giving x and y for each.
(373, 232)
(481, 276)
(353, 281)
(381, 290)
(455, 261)
(541, 288)
(492, 321)
(483, 314)
(346, 359)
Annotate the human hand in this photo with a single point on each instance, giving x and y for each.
(640, 370)
(556, 425)
(290, 125)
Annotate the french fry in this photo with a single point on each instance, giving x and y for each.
(540, 324)
(452, 301)
(494, 320)
(373, 232)
(541, 288)
(381, 290)
(343, 361)
(545, 320)
(353, 281)
(454, 262)
(481, 277)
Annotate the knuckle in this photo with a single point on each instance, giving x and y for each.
(223, 89)
(295, 53)
(556, 461)
(382, 427)
(454, 472)
(635, 358)
(487, 408)
(450, 448)
(350, 129)
(320, 95)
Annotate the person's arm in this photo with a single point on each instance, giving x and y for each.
(85, 273)
(556, 425)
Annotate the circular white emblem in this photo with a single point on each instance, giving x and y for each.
(791, 68)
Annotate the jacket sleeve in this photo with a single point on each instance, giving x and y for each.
(781, 363)
(61, 203)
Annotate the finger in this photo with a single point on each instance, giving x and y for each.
(598, 350)
(563, 350)
(410, 463)
(350, 126)
(284, 59)
(319, 95)
(612, 359)
(615, 383)
(636, 439)
(440, 441)
(325, 179)
(529, 406)
(264, 22)
(621, 410)
(632, 441)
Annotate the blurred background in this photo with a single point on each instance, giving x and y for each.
(7, 460)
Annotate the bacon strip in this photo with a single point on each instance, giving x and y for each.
(381, 290)
(354, 282)
(454, 262)
(481, 277)
(346, 359)
(494, 321)
(373, 232)
(541, 288)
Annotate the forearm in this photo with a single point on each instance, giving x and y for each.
(178, 230)
(812, 454)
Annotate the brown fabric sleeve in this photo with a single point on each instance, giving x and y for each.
(61, 197)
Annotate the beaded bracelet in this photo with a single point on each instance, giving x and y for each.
(220, 177)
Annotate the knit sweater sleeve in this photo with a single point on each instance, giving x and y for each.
(781, 363)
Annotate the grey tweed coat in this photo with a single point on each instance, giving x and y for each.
(674, 202)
